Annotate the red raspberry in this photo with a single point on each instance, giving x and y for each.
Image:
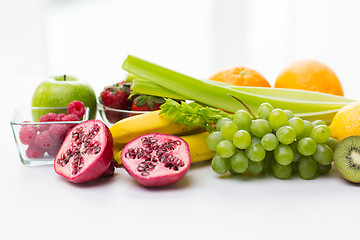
(34, 151)
(49, 117)
(45, 141)
(53, 151)
(71, 117)
(77, 108)
(60, 116)
(58, 132)
(27, 134)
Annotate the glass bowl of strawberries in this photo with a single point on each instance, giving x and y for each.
(112, 115)
(38, 141)
(117, 102)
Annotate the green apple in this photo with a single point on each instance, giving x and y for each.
(59, 91)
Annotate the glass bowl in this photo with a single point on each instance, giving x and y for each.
(39, 142)
(112, 115)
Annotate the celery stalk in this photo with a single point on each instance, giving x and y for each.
(149, 87)
(144, 86)
(214, 95)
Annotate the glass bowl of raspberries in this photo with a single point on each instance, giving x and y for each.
(40, 131)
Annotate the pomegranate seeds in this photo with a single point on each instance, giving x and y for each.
(156, 160)
(86, 153)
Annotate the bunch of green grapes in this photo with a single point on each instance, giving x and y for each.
(275, 142)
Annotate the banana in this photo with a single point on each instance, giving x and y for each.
(129, 128)
(199, 151)
(117, 151)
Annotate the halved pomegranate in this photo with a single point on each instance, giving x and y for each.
(86, 152)
(156, 160)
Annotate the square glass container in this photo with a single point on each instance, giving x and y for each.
(38, 142)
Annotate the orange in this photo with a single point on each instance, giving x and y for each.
(346, 122)
(241, 76)
(309, 75)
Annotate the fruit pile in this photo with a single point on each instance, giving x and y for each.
(119, 96)
(47, 138)
(274, 142)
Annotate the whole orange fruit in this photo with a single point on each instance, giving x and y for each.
(346, 122)
(310, 75)
(241, 76)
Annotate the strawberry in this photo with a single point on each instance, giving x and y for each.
(147, 103)
(116, 96)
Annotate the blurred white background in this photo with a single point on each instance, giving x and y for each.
(91, 38)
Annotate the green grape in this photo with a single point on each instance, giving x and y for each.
(228, 129)
(242, 139)
(264, 110)
(320, 133)
(307, 129)
(269, 158)
(323, 169)
(255, 167)
(306, 146)
(307, 167)
(294, 147)
(256, 140)
(242, 119)
(233, 173)
(286, 134)
(260, 127)
(220, 122)
(283, 154)
(239, 161)
(281, 171)
(269, 142)
(289, 114)
(323, 154)
(213, 139)
(255, 152)
(318, 122)
(277, 119)
(294, 166)
(332, 142)
(297, 124)
(220, 165)
(225, 149)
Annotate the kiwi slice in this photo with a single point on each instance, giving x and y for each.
(347, 158)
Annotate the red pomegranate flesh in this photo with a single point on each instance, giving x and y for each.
(156, 160)
(86, 152)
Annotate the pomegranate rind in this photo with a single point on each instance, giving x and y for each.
(161, 175)
(94, 165)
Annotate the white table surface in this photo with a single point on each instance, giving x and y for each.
(36, 203)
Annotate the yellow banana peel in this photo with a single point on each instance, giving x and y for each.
(199, 151)
(129, 128)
